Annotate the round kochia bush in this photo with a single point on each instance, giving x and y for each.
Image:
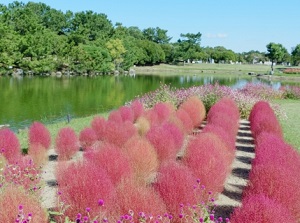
(82, 184)
(66, 143)
(261, 209)
(9, 145)
(39, 134)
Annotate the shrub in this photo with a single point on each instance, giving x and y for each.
(66, 143)
(177, 135)
(112, 160)
(137, 108)
(143, 158)
(87, 137)
(186, 120)
(38, 153)
(119, 133)
(115, 116)
(163, 111)
(39, 134)
(195, 108)
(9, 144)
(152, 117)
(209, 159)
(225, 106)
(14, 201)
(175, 186)
(81, 185)
(141, 200)
(163, 142)
(222, 134)
(143, 125)
(261, 209)
(126, 113)
(277, 183)
(99, 125)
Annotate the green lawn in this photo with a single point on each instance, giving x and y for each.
(291, 125)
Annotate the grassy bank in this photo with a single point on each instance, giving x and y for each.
(290, 126)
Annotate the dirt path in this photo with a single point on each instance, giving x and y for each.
(227, 200)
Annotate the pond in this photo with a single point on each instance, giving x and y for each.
(47, 99)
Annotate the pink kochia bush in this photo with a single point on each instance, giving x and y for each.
(209, 159)
(163, 142)
(111, 159)
(9, 145)
(263, 119)
(175, 184)
(137, 108)
(15, 201)
(39, 134)
(119, 133)
(126, 114)
(38, 153)
(186, 120)
(261, 209)
(163, 111)
(66, 143)
(277, 183)
(195, 108)
(141, 200)
(87, 137)
(99, 125)
(82, 185)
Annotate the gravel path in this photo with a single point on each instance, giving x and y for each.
(227, 200)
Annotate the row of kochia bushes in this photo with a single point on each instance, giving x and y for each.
(150, 162)
(273, 192)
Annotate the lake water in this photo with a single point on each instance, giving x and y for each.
(46, 99)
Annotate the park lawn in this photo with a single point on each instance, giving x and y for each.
(207, 69)
(290, 125)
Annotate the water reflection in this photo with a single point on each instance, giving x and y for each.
(50, 99)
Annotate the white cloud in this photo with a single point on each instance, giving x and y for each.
(218, 35)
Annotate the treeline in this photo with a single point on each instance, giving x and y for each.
(39, 39)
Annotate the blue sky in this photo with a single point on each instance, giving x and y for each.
(240, 25)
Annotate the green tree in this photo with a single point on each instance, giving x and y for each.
(276, 53)
(116, 50)
(157, 35)
(296, 55)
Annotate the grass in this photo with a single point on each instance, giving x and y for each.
(77, 124)
(210, 69)
(290, 126)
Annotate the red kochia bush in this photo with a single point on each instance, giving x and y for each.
(142, 157)
(261, 209)
(112, 160)
(14, 201)
(186, 120)
(195, 108)
(9, 145)
(139, 199)
(163, 111)
(115, 116)
(225, 106)
(99, 125)
(39, 134)
(82, 184)
(163, 142)
(176, 133)
(270, 149)
(137, 108)
(263, 119)
(126, 113)
(277, 183)
(66, 144)
(175, 185)
(87, 137)
(226, 137)
(119, 133)
(209, 159)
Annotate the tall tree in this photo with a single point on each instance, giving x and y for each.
(296, 55)
(276, 52)
(157, 35)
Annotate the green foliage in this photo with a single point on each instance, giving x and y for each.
(296, 55)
